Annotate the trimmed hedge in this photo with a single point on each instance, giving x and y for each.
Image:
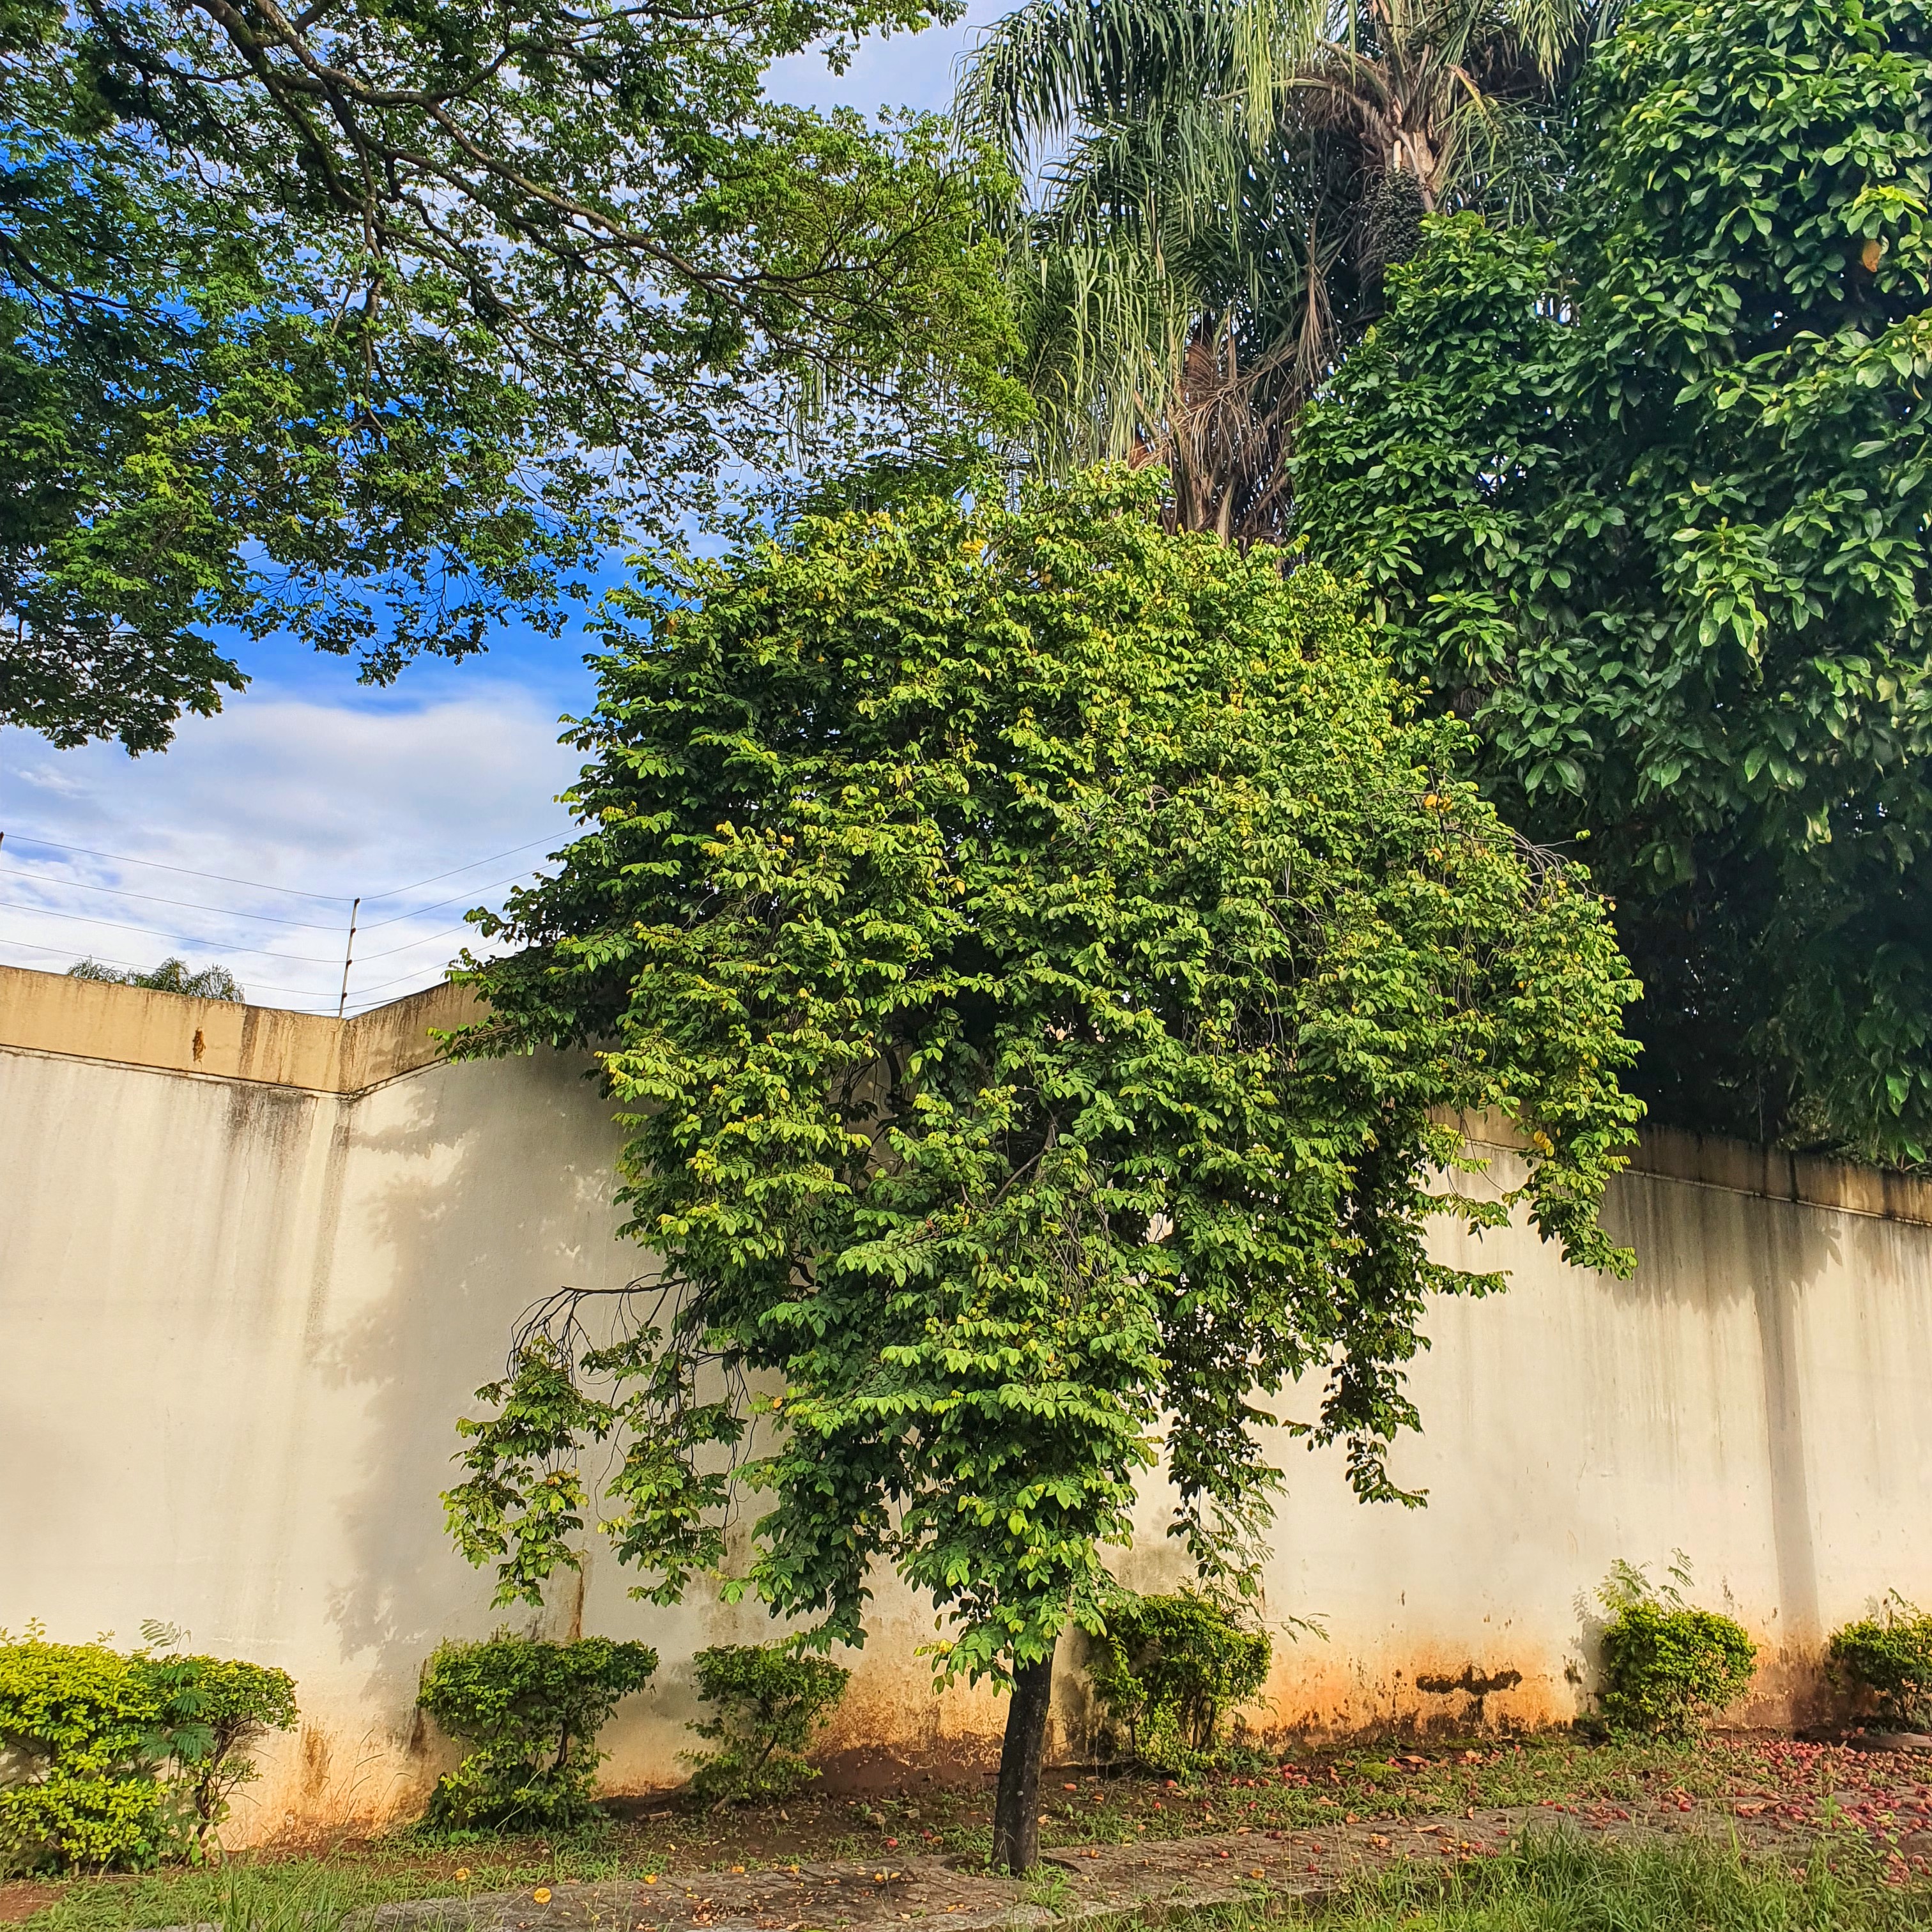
(769, 1698)
(1169, 1669)
(1889, 1657)
(1672, 1669)
(531, 1710)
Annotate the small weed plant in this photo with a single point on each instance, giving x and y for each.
(297, 1897)
(1888, 1657)
(768, 1699)
(115, 1761)
(1170, 1670)
(531, 1712)
(1669, 1668)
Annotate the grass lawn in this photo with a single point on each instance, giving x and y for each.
(1552, 1885)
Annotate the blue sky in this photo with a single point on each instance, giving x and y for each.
(245, 842)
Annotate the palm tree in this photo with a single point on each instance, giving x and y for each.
(1218, 185)
(171, 975)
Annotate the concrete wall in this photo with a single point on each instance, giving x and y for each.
(252, 1265)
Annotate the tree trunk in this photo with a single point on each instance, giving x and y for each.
(1016, 1810)
(1417, 157)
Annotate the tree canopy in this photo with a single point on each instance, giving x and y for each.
(1648, 500)
(369, 324)
(1039, 962)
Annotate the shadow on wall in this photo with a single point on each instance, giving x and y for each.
(472, 1191)
(469, 1191)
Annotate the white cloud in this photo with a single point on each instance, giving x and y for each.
(297, 805)
(43, 778)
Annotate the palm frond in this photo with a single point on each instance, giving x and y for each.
(1208, 207)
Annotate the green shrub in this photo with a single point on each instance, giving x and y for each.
(78, 1725)
(119, 1760)
(1669, 1668)
(1168, 1669)
(531, 1710)
(1890, 1656)
(769, 1699)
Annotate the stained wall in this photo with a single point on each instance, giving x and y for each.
(253, 1265)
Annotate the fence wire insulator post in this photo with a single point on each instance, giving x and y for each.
(348, 954)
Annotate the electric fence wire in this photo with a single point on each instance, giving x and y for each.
(136, 966)
(155, 898)
(262, 885)
(177, 938)
(188, 871)
(363, 999)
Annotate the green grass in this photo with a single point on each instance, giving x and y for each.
(311, 1898)
(307, 1896)
(304, 1894)
(1551, 1884)
(1560, 1884)
(1400, 1781)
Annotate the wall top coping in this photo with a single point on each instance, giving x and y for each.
(96, 1019)
(134, 1026)
(1744, 1167)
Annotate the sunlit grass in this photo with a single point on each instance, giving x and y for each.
(1557, 1883)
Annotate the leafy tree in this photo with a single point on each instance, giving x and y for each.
(171, 975)
(1648, 502)
(1229, 184)
(1040, 961)
(367, 326)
